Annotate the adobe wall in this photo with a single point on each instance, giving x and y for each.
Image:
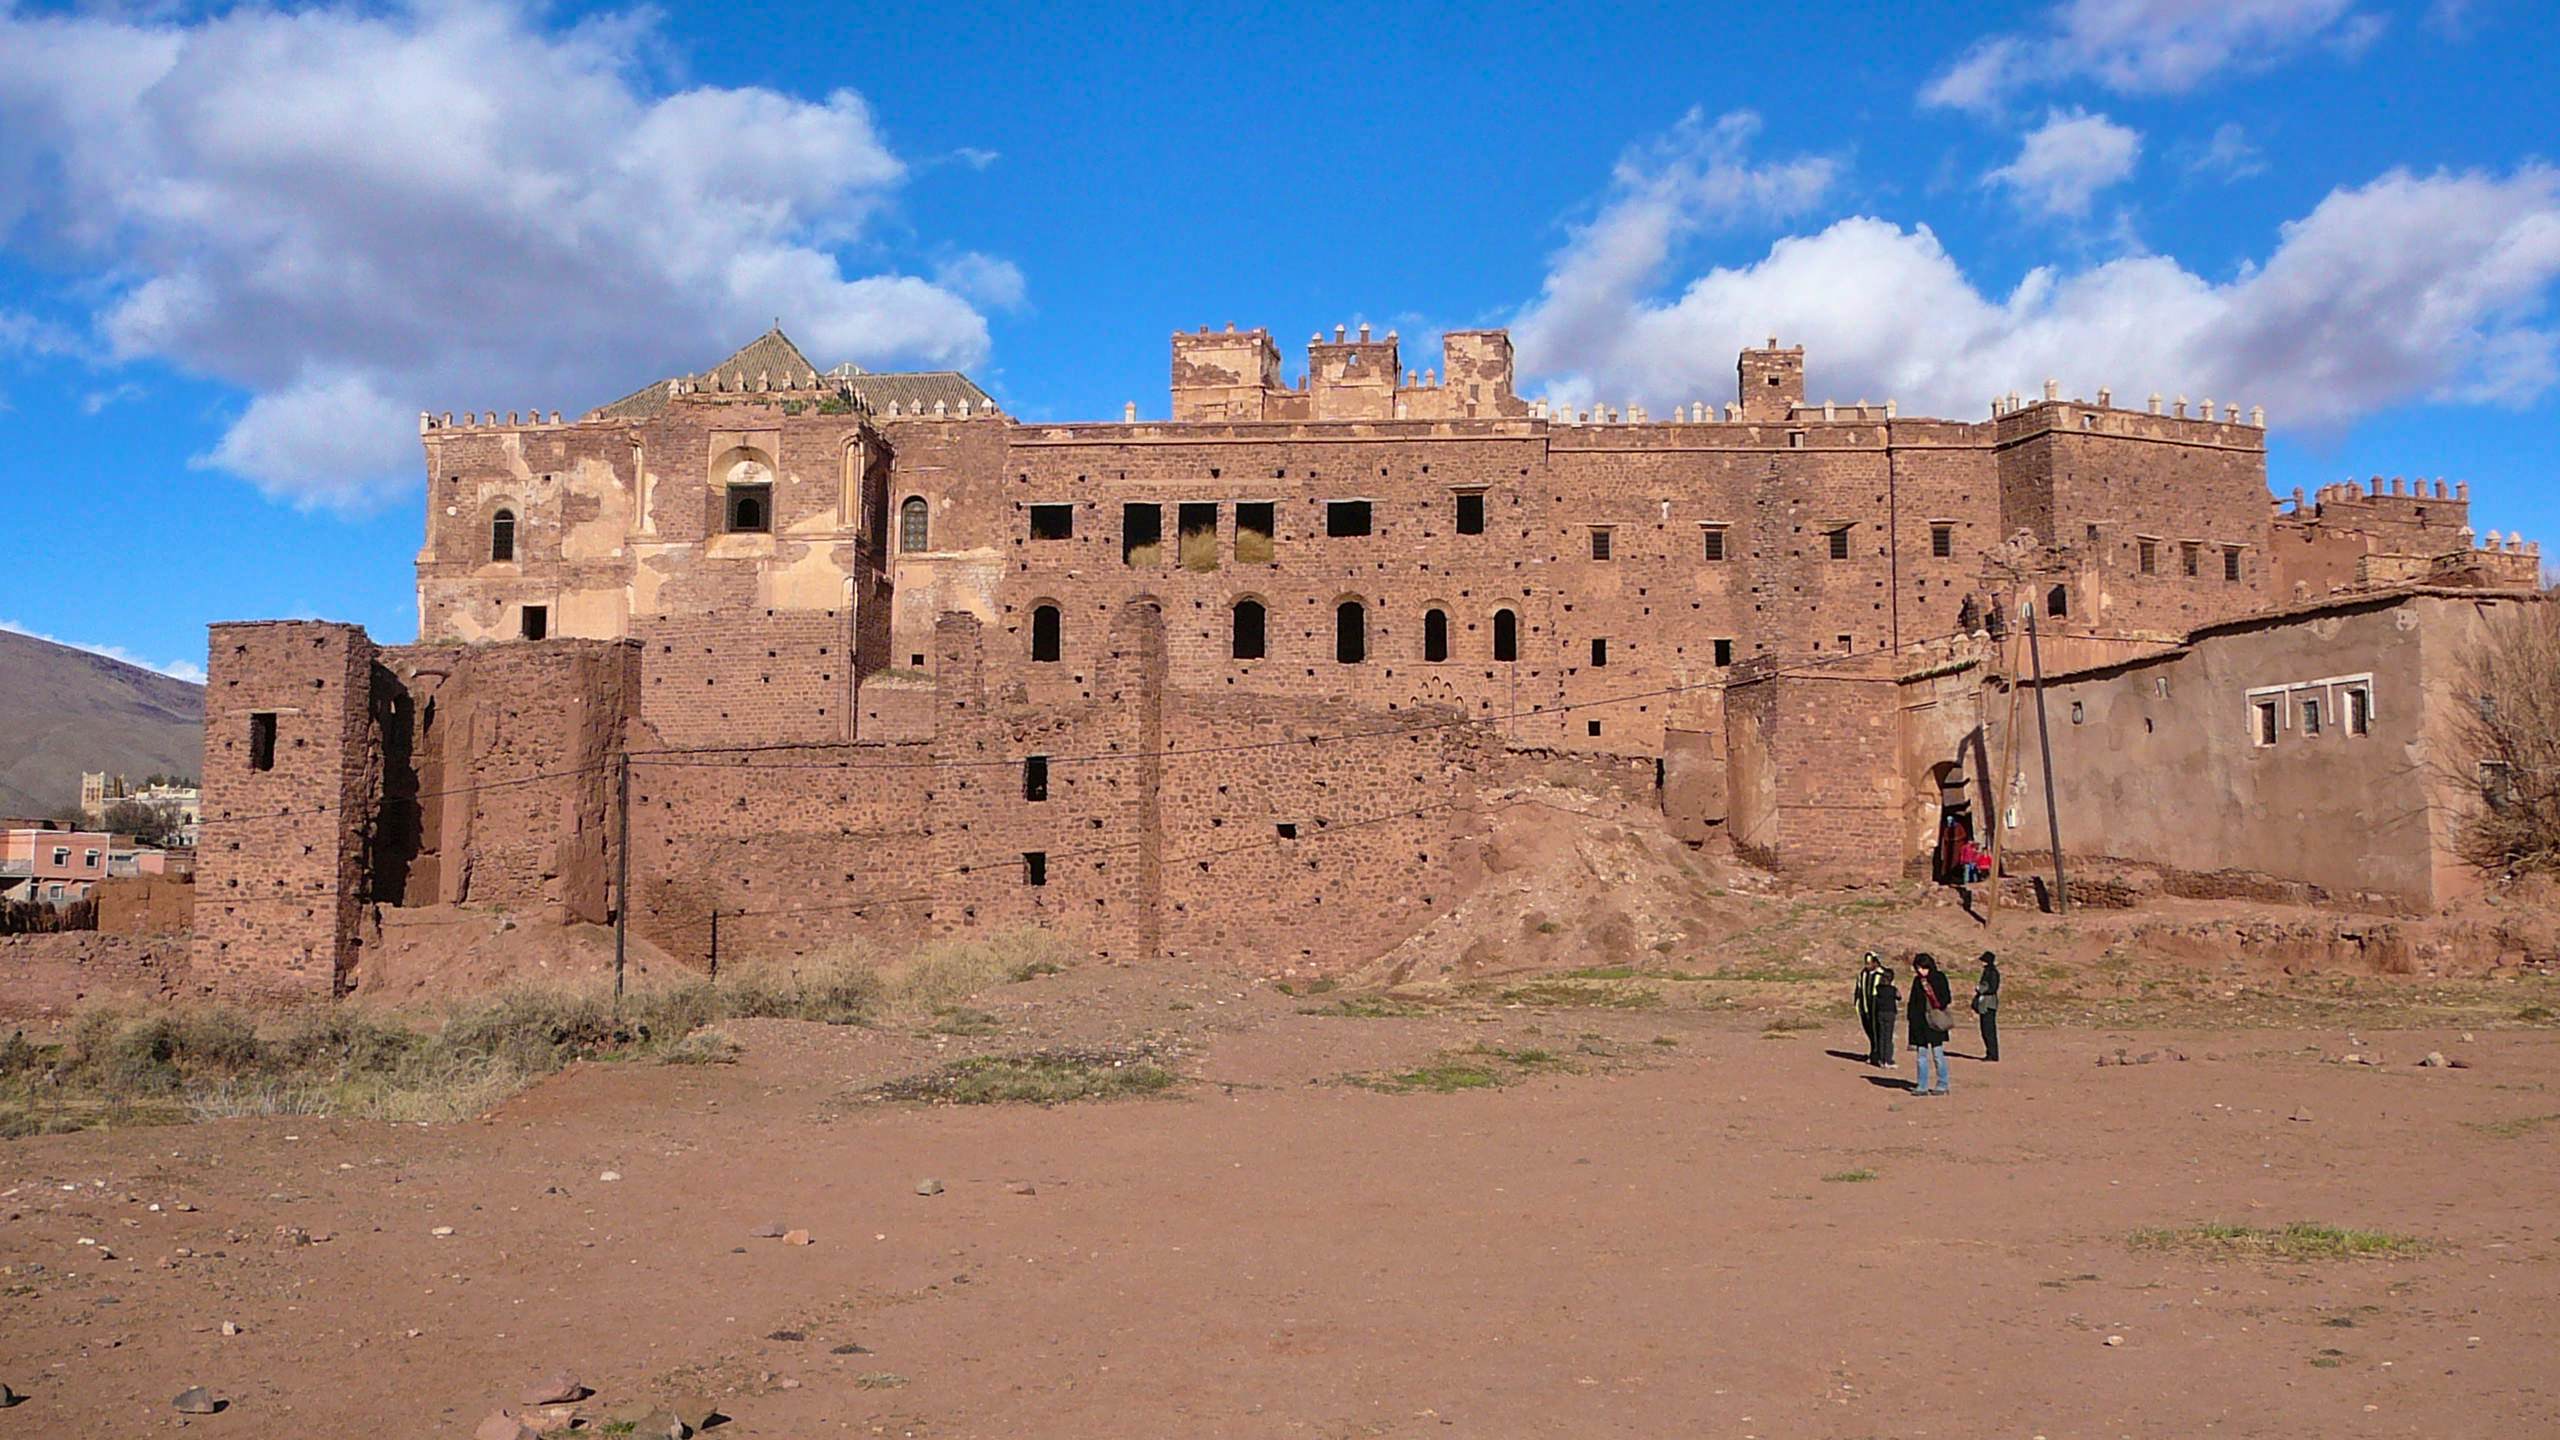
(498, 765)
(747, 677)
(1816, 782)
(2160, 760)
(286, 851)
(145, 904)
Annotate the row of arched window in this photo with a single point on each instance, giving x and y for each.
(1249, 633)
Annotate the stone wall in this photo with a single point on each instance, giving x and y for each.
(284, 864)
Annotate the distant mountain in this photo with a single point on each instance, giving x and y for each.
(63, 711)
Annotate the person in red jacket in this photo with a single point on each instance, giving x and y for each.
(1930, 997)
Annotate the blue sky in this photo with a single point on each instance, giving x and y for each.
(240, 248)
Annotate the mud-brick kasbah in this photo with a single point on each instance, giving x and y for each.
(795, 656)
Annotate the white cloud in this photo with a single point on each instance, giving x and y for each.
(2146, 47)
(2065, 161)
(2411, 287)
(187, 670)
(2229, 155)
(993, 282)
(1696, 176)
(354, 215)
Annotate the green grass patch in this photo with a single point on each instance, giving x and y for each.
(2301, 1240)
(1368, 1007)
(1477, 1067)
(879, 1380)
(961, 1020)
(1848, 1177)
(1039, 1077)
(161, 1066)
(1602, 994)
(2515, 1129)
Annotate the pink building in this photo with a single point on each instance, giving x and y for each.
(59, 867)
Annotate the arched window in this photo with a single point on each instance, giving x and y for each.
(502, 535)
(1506, 636)
(1247, 643)
(1435, 635)
(914, 523)
(1044, 633)
(1350, 632)
(2057, 602)
(747, 514)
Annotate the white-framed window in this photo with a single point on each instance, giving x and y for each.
(2266, 721)
(2310, 716)
(62, 855)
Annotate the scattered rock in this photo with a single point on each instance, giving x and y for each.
(787, 1335)
(1023, 1187)
(2302, 1115)
(230, 1327)
(553, 1419)
(9, 1397)
(610, 1175)
(769, 1230)
(504, 1424)
(196, 1400)
(2115, 1339)
(695, 1411)
(2435, 1061)
(557, 1388)
(796, 1237)
(848, 1348)
(660, 1424)
(441, 1231)
(928, 1187)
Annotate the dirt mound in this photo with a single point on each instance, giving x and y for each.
(444, 952)
(46, 977)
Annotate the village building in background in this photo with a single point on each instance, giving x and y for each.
(846, 654)
(177, 806)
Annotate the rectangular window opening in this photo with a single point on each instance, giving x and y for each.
(1591, 728)
(1599, 651)
(1254, 522)
(750, 509)
(262, 742)
(1344, 519)
(1840, 543)
(1715, 542)
(1035, 778)
(1599, 542)
(1288, 830)
(2146, 558)
(1942, 541)
(1053, 522)
(537, 622)
(2230, 565)
(1035, 867)
(1199, 535)
(2359, 712)
(1724, 652)
(2310, 715)
(1141, 534)
(2268, 718)
(1470, 512)
(2190, 556)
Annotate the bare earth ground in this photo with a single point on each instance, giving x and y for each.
(1644, 1244)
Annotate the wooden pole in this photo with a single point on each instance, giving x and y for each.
(2044, 741)
(1999, 798)
(621, 870)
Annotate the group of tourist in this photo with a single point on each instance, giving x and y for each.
(1929, 1014)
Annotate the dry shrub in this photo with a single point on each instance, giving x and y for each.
(2510, 733)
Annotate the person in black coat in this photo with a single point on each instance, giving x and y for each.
(1888, 1003)
(1929, 992)
(1986, 1005)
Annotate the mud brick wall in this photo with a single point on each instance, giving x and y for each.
(499, 773)
(145, 904)
(282, 867)
(1816, 781)
(747, 677)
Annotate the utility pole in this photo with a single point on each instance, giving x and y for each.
(621, 870)
(2044, 741)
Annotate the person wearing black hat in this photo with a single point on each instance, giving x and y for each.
(1986, 1005)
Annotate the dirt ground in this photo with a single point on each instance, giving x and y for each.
(1653, 1230)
